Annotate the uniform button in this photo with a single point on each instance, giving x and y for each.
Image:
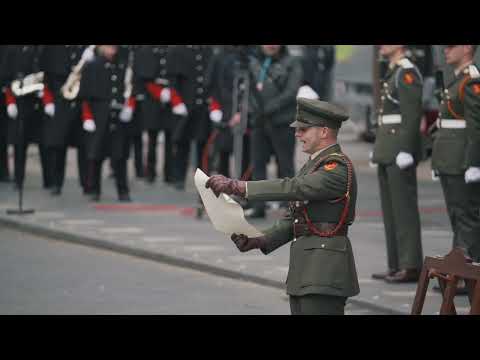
(163, 72)
(393, 131)
(199, 101)
(382, 97)
(73, 56)
(200, 79)
(155, 50)
(296, 221)
(114, 77)
(198, 57)
(114, 90)
(107, 65)
(199, 67)
(163, 61)
(73, 104)
(323, 246)
(200, 90)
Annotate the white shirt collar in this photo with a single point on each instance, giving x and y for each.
(315, 155)
(463, 67)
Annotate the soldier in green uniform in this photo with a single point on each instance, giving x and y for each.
(322, 198)
(397, 152)
(456, 148)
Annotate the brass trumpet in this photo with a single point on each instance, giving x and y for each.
(29, 84)
(72, 86)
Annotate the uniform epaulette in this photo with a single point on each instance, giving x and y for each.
(473, 71)
(406, 64)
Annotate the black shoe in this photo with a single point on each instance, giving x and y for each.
(150, 179)
(124, 197)
(5, 179)
(383, 275)
(140, 174)
(95, 197)
(255, 213)
(404, 276)
(57, 190)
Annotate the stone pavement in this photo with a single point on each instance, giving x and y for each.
(161, 225)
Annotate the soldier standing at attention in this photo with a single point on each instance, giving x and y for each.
(397, 152)
(106, 115)
(153, 99)
(322, 196)
(456, 149)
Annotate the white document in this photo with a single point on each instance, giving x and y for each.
(225, 213)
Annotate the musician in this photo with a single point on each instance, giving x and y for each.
(187, 68)
(4, 168)
(63, 126)
(106, 116)
(153, 96)
(24, 111)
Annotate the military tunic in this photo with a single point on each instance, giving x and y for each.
(456, 147)
(318, 265)
(399, 131)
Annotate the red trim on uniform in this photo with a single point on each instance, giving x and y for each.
(176, 99)
(154, 90)
(86, 111)
(214, 104)
(9, 97)
(132, 102)
(47, 96)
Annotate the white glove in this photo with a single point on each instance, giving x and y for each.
(472, 175)
(12, 111)
(89, 125)
(370, 160)
(165, 96)
(404, 160)
(180, 109)
(88, 55)
(216, 116)
(50, 109)
(307, 92)
(126, 114)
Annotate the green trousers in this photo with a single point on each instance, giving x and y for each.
(463, 206)
(317, 304)
(398, 194)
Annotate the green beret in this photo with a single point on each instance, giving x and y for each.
(319, 113)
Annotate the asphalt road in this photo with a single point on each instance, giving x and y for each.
(46, 277)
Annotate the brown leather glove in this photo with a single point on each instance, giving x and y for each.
(245, 243)
(221, 184)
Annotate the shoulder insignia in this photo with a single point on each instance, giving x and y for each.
(406, 64)
(331, 165)
(408, 78)
(473, 70)
(476, 89)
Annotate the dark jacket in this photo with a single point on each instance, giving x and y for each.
(283, 78)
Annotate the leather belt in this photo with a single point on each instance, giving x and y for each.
(303, 230)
